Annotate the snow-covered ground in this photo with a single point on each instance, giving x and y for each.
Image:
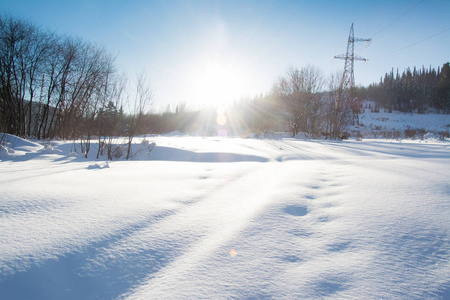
(376, 125)
(227, 218)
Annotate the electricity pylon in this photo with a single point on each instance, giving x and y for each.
(347, 85)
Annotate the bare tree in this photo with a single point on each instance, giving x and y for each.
(66, 72)
(40, 47)
(67, 52)
(53, 71)
(18, 55)
(140, 107)
(299, 92)
(110, 115)
(338, 113)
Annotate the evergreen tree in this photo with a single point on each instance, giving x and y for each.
(443, 89)
(415, 90)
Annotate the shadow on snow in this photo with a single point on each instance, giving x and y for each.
(88, 273)
(172, 154)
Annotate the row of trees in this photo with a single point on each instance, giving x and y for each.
(58, 86)
(303, 100)
(49, 82)
(309, 102)
(416, 90)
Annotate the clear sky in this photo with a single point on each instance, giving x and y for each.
(209, 51)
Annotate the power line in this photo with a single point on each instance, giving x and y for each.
(423, 40)
(398, 18)
(392, 22)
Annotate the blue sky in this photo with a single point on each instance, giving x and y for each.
(183, 45)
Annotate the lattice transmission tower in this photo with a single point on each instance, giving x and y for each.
(347, 84)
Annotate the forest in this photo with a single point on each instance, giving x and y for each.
(56, 86)
(420, 90)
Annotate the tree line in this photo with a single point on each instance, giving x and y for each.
(418, 90)
(59, 86)
(302, 100)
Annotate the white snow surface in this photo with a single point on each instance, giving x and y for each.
(371, 122)
(227, 218)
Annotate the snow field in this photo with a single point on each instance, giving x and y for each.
(374, 124)
(229, 218)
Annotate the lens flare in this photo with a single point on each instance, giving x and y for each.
(221, 120)
(233, 252)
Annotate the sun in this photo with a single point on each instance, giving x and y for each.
(218, 83)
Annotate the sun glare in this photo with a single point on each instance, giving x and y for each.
(218, 83)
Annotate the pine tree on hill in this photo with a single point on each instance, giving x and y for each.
(443, 88)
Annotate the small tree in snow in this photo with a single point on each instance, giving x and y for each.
(141, 106)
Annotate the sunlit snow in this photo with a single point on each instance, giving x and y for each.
(227, 218)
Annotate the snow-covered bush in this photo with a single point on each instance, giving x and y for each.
(48, 149)
(344, 135)
(117, 151)
(391, 134)
(410, 133)
(149, 146)
(444, 135)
